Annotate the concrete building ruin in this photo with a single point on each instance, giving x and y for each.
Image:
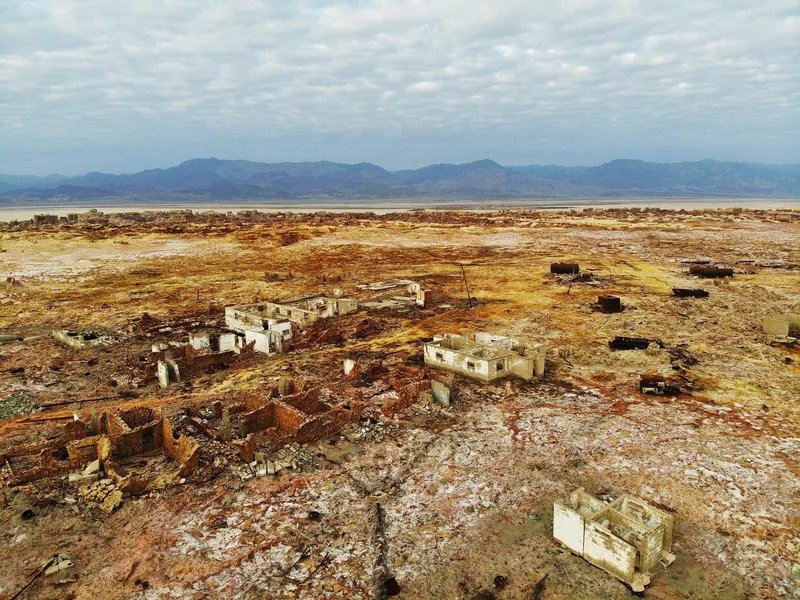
(485, 356)
(626, 537)
(80, 340)
(176, 362)
(269, 324)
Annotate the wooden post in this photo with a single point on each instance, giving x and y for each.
(466, 285)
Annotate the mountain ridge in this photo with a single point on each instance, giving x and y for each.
(216, 179)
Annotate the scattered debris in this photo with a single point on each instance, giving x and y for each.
(656, 384)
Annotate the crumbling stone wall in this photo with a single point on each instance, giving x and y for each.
(74, 430)
(288, 417)
(85, 448)
(307, 402)
(49, 466)
(187, 452)
(133, 431)
(259, 419)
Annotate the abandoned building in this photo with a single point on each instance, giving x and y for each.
(80, 340)
(785, 325)
(45, 220)
(388, 294)
(626, 537)
(485, 356)
(176, 363)
(217, 341)
(116, 435)
(269, 324)
(278, 415)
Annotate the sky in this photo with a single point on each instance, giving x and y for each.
(113, 86)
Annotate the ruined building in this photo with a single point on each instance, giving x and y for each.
(116, 436)
(626, 537)
(80, 340)
(205, 353)
(269, 324)
(485, 356)
(281, 414)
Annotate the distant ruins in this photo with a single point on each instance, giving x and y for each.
(485, 356)
(626, 537)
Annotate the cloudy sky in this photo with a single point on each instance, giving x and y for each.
(120, 86)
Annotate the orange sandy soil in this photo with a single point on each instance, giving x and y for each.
(443, 500)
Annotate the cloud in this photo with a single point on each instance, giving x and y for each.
(98, 85)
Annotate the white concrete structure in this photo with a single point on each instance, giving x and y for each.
(485, 356)
(80, 340)
(626, 537)
(786, 325)
(303, 312)
(216, 342)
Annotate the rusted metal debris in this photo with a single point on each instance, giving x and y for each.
(710, 272)
(632, 343)
(689, 293)
(609, 304)
(658, 385)
(565, 268)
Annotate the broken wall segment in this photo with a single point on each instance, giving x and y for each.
(485, 356)
(785, 325)
(80, 340)
(626, 537)
(427, 298)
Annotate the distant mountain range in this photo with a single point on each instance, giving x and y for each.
(214, 179)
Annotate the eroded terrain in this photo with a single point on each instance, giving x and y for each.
(442, 499)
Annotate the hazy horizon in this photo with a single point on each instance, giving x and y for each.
(514, 165)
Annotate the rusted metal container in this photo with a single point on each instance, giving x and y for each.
(702, 271)
(609, 304)
(689, 293)
(632, 343)
(565, 268)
